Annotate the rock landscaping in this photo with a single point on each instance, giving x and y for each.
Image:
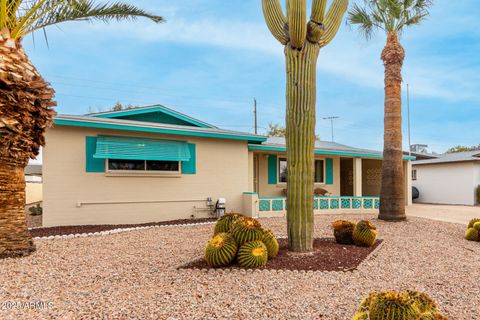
(136, 275)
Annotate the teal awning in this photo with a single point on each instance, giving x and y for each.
(127, 148)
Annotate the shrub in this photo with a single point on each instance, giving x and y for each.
(270, 242)
(478, 194)
(246, 229)
(225, 223)
(398, 306)
(364, 234)
(36, 211)
(471, 234)
(221, 250)
(252, 254)
(343, 231)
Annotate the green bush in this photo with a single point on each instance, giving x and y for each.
(36, 211)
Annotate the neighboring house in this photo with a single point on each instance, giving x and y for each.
(451, 178)
(33, 179)
(153, 163)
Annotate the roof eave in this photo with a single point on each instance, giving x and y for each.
(95, 122)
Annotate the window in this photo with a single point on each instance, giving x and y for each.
(143, 166)
(319, 171)
(414, 174)
(282, 170)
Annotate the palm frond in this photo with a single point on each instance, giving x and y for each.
(388, 15)
(32, 15)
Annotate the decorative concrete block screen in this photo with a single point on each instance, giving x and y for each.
(276, 206)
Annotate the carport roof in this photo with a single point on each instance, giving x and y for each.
(452, 157)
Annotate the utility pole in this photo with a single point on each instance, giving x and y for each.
(408, 115)
(255, 115)
(331, 122)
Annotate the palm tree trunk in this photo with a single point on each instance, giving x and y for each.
(300, 139)
(15, 239)
(392, 193)
(25, 113)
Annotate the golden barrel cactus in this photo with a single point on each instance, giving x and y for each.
(246, 229)
(252, 255)
(270, 242)
(472, 222)
(225, 223)
(343, 231)
(472, 234)
(221, 250)
(365, 234)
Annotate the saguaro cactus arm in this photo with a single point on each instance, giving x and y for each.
(297, 22)
(276, 20)
(318, 11)
(332, 21)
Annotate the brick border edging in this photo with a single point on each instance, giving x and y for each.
(119, 230)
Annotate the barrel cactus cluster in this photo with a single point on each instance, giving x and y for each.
(240, 239)
(363, 233)
(473, 230)
(411, 305)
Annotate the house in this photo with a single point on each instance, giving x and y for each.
(153, 163)
(452, 178)
(33, 180)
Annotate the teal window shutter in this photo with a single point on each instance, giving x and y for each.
(92, 164)
(190, 167)
(272, 169)
(329, 169)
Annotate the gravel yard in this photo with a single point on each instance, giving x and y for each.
(133, 275)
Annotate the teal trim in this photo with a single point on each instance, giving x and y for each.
(272, 198)
(139, 128)
(156, 109)
(272, 169)
(92, 164)
(345, 197)
(128, 148)
(190, 167)
(326, 152)
(329, 171)
(250, 193)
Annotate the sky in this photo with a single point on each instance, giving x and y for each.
(213, 57)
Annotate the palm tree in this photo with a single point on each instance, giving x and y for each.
(26, 100)
(391, 16)
(303, 41)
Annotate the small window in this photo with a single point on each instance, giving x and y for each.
(414, 174)
(319, 171)
(143, 166)
(282, 170)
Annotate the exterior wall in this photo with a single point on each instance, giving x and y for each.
(33, 192)
(448, 183)
(476, 180)
(276, 190)
(222, 171)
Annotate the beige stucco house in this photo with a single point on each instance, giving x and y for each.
(153, 163)
(450, 178)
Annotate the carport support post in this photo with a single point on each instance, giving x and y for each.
(407, 165)
(357, 177)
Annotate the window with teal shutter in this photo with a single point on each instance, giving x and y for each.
(272, 169)
(329, 171)
(190, 167)
(92, 164)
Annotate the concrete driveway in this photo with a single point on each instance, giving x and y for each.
(447, 213)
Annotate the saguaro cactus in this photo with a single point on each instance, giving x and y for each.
(303, 41)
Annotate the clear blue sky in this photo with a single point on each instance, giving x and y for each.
(213, 56)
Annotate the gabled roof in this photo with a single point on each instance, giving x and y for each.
(452, 157)
(156, 113)
(322, 147)
(33, 170)
(140, 126)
